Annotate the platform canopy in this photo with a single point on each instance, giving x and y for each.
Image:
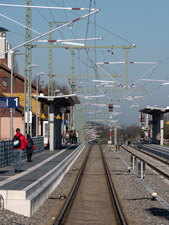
(154, 111)
(2, 29)
(59, 100)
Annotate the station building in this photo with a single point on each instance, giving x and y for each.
(18, 113)
(18, 91)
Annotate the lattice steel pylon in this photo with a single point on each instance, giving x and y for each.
(73, 90)
(28, 60)
(50, 64)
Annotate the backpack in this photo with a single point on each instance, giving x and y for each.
(29, 145)
(17, 141)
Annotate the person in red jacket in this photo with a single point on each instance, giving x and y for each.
(19, 143)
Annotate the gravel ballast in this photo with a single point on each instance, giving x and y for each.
(136, 200)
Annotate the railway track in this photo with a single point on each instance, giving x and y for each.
(153, 155)
(156, 150)
(92, 199)
(158, 164)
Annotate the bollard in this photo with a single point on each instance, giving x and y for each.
(141, 169)
(1, 202)
(133, 161)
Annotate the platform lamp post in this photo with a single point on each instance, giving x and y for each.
(29, 92)
(37, 79)
(12, 52)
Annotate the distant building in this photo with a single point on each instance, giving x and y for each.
(4, 46)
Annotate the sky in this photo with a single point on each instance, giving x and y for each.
(120, 23)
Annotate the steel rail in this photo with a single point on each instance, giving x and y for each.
(62, 216)
(151, 154)
(149, 164)
(68, 203)
(112, 191)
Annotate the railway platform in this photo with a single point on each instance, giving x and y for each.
(24, 192)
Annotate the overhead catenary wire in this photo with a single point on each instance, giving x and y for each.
(46, 7)
(103, 63)
(75, 39)
(148, 71)
(91, 61)
(54, 20)
(42, 35)
(100, 26)
(8, 18)
(136, 80)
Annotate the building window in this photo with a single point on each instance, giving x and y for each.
(6, 81)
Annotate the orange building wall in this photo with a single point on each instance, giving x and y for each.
(21, 102)
(18, 122)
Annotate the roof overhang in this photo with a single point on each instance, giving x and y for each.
(153, 110)
(62, 101)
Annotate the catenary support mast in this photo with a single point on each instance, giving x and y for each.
(28, 59)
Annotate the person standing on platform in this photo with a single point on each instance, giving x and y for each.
(74, 137)
(19, 143)
(71, 137)
(29, 148)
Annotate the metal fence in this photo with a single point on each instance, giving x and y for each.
(6, 152)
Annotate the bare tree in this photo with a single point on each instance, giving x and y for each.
(62, 87)
(124, 132)
(41, 82)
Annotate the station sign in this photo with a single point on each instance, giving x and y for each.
(43, 116)
(30, 117)
(9, 102)
(58, 117)
(20, 98)
(62, 109)
(13, 102)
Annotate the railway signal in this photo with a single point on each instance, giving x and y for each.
(110, 107)
(142, 118)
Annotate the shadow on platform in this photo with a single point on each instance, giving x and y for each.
(158, 212)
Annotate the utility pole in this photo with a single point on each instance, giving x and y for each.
(115, 135)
